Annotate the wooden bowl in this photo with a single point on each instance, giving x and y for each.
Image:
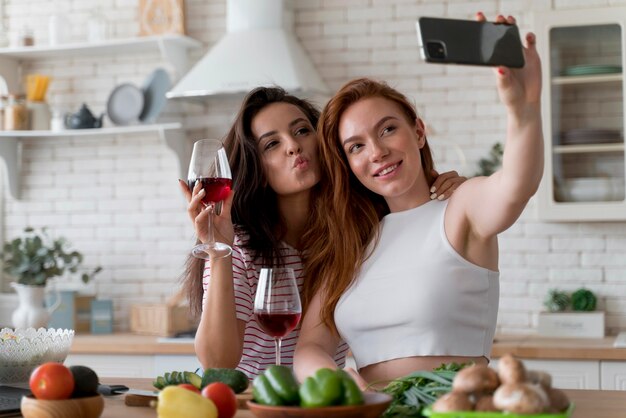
(375, 405)
(89, 407)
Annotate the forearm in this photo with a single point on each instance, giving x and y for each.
(218, 341)
(523, 159)
(309, 357)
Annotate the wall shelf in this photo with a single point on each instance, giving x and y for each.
(10, 145)
(173, 48)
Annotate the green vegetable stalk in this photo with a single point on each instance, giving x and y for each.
(419, 389)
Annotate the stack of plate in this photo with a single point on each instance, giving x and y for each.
(590, 189)
(129, 104)
(591, 136)
(592, 69)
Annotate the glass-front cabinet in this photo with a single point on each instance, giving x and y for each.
(582, 52)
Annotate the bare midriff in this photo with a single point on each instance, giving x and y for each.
(388, 370)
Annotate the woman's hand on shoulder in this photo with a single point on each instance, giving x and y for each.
(224, 231)
(445, 184)
(519, 87)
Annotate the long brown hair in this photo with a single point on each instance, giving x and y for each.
(347, 214)
(255, 206)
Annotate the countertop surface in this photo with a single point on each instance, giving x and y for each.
(588, 403)
(523, 346)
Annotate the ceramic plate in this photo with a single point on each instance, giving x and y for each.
(591, 136)
(375, 405)
(125, 104)
(154, 89)
(592, 69)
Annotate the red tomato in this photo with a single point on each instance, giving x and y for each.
(189, 386)
(51, 381)
(223, 397)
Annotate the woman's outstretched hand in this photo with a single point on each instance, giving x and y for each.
(445, 184)
(199, 216)
(519, 87)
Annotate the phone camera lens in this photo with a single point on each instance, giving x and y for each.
(436, 49)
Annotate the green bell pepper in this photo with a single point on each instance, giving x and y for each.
(324, 388)
(284, 384)
(352, 395)
(264, 393)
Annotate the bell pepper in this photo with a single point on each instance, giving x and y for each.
(177, 402)
(264, 393)
(284, 383)
(324, 388)
(352, 394)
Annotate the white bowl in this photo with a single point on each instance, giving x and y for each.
(21, 350)
(591, 189)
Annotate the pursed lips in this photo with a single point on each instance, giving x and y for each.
(300, 162)
(389, 168)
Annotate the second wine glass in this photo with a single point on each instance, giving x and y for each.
(209, 166)
(277, 307)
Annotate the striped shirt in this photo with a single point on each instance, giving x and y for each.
(259, 350)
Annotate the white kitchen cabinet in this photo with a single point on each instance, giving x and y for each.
(613, 375)
(566, 374)
(115, 365)
(130, 365)
(583, 56)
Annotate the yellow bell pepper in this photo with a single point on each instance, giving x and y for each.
(175, 402)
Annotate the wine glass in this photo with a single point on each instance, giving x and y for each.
(209, 166)
(277, 306)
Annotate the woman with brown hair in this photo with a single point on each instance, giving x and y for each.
(408, 282)
(273, 154)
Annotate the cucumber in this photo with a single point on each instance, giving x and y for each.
(174, 378)
(159, 382)
(168, 379)
(237, 380)
(194, 379)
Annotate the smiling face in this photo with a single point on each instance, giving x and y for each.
(287, 144)
(383, 150)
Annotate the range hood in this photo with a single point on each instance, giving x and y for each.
(259, 49)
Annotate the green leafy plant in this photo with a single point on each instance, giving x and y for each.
(584, 300)
(488, 166)
(35, 257)
(419, 389)
(556, 300)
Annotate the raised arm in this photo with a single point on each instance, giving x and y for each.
(494, 203)
(219, 338)
(316, 344)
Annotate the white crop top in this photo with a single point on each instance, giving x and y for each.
(416, 296)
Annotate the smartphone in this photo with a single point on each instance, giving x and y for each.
(455, 41)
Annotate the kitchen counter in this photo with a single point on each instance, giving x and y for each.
(523, 346)
(589, 403)
(538, 347)
(126, 343)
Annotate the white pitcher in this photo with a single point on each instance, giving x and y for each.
(31, 311)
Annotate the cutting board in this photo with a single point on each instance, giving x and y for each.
(140, 400)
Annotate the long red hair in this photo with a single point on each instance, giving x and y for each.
(346, 214)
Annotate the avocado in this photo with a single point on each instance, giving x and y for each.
(85, 381)
(237, 380)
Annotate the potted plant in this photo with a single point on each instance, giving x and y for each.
(32, 260)
(571, 315)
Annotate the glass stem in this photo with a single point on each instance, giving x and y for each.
(210, 232)
(277, 341)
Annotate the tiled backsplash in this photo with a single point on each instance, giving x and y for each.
(117, 198)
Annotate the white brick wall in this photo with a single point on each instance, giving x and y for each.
(117, 198)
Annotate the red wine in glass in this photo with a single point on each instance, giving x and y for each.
(277, 307)
(216, 189)
(209, 165)
(278, 324)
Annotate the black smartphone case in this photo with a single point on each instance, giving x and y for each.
(469, 42)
